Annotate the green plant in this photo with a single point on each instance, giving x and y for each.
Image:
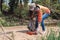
(51, 36)
(0, 13)
(5, 7)
(58, 24)
(59, 36)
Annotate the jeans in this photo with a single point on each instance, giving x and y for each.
(42, 22)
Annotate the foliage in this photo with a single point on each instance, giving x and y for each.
(5, 7)
(59, 36)
(22, 11)
(58, 24)
(9, 21)
(51, 36)
(0, 13)
(54, 6)
(12, 6)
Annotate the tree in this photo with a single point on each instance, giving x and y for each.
(1, 1)
(53, 5)
(12, 5)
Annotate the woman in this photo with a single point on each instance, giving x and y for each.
(41, 17)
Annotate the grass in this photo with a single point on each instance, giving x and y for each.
(7, 21)
(51, 36)
(58, 24)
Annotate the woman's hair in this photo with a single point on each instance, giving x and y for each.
(37, 6)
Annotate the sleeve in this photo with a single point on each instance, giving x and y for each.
(45, 9)
(39, 16)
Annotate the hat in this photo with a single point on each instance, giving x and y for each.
(32, 6)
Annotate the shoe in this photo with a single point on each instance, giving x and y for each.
(43, 32)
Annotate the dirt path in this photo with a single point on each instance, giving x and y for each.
(20, 33)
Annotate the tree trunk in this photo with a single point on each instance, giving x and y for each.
(1, 4)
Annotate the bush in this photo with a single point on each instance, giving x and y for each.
(58, 24)
(1, 14)
(8, 21)
(51, 36)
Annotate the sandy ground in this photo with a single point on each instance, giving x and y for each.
(19, 33)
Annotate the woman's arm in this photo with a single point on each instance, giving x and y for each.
(43, 8)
